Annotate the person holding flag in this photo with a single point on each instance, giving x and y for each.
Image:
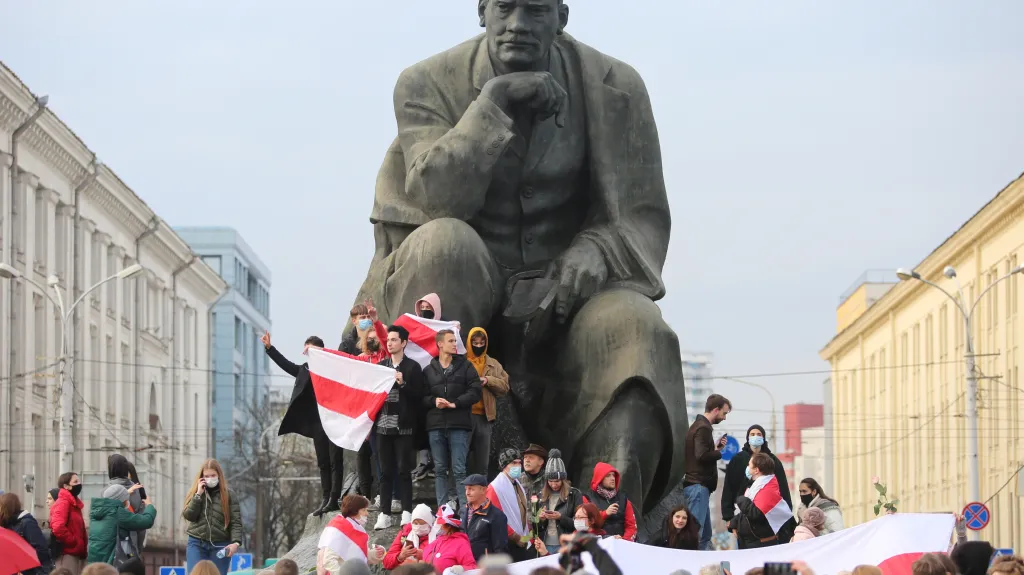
(509, 495)
(761, 511)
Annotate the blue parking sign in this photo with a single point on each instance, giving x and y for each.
(172, 570)
(240, 561)
(732, 447)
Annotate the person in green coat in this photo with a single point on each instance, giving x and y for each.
(107, 516)
(214, 519)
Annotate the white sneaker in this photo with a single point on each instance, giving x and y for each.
(406, 518)
(396, 506)
(383, 522)
(375, 504)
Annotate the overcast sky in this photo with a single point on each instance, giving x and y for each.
(804, 141)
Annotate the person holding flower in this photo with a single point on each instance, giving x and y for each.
(558, 501)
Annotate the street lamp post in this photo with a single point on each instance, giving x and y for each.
(67, 449)
(974, 478)
(770, 397)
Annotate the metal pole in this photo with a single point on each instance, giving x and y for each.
(974, 476)
(257, 540)
(67, 447)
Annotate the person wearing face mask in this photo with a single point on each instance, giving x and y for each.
(508, 494)
(67, 524)
(736, 481)
(412, 538)
(495, 384)
(350, 339)
(589, 519)
(761, 512)
(109, 519)
(451, 546)
(303, 418)
(345, 537)
(214, 519)
(812, 495)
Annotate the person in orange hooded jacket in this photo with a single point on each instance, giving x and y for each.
(495, 384)
(616, 510)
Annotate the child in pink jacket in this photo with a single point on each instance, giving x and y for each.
(811, 521)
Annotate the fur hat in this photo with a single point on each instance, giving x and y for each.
(555, 468)
(508, 455)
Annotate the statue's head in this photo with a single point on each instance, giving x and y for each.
(520, 32)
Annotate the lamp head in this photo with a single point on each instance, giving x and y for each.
(949, 272)
(41, 101)
(129, 271)
(7, 271)
(52, 281)
(904, 274)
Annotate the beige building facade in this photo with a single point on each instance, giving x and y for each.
(899, 380)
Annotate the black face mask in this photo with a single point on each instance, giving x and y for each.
(76, 489)
(478, 350)
(373, 345)
(427, 313)
(806, 499)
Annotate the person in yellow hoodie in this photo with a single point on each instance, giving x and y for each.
(495, 384)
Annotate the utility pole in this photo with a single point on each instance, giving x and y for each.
(257, 539)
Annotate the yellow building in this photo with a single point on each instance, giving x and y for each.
(899, 395)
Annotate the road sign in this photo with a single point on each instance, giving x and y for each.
(977, 516)
(241, 561)
(1007, 552)
(732, 447)
(172, 570)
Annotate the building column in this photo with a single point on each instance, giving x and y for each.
(26, 364)
(105, 366)
(6, 398)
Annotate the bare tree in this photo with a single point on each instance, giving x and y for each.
(281, 468)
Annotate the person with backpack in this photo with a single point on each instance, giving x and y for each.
(120, 472)
(111, 524)
(13, 517)
(69, 542)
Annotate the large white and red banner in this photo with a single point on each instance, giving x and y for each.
(349, 393)
(422, 333)
(892, 543)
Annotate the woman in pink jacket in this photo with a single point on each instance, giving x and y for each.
(451, 546)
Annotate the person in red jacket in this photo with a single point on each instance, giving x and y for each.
(68, 525)
(411, 540)
(616, 510)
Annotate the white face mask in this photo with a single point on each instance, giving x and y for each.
(212, 482)
(421, 530)
(362, 519)
(580, 524)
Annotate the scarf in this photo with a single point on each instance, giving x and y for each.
(606, 493)
(509, 495)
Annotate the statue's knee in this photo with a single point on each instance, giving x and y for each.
(443, 239)
(620, 315)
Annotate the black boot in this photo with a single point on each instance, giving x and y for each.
(333, 504)
(320, 510)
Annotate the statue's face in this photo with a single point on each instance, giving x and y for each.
(520, 32)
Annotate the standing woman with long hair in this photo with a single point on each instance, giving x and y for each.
(214, 519)
(13, 517)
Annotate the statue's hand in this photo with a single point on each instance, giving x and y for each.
(538, 91)
(580, 272)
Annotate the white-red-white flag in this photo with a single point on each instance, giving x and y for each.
(422, 333)
(346, 538)
(349, 393)
(767, 497)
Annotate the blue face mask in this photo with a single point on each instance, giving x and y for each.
(365, 324)
(747, 472)
(515, 472)
(756, 441)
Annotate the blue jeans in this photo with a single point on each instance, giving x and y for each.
(198, 550)
(698, 500)
(450, 447)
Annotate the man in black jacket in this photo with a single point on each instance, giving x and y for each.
(484, 524)
(736, 481)
(453, 386)
(303, 417)
(394, 425)
(702, 455)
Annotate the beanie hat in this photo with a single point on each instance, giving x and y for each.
(555, 468)
(117, 492)
(424, 513)
(508, 455)
(814, 517)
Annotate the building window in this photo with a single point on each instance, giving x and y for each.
(127, 291)
(40, 239)
(111, 270)
(188, 335)
(126, 380)
(94, 385)
(238, 386)
(239, 334)
(111, 360)
(97, 254)
(61, 237)
(214, 263)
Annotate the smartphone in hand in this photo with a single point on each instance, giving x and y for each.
(726, 567)
(778, 569)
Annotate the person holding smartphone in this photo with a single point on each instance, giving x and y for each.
(702, 455)
(214, 519)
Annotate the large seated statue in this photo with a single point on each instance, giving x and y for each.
(525, 187)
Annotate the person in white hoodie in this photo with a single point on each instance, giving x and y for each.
(812, 495)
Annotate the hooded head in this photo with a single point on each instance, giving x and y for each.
(602, 470)
(813, 517)
(433, 304)
(764, 445)
(474, 353)
(972, 557)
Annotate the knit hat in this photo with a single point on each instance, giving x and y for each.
(508, 455)
(54, 493)
(424, 513)
(117, 492)
(813, 517)
(555, 468)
